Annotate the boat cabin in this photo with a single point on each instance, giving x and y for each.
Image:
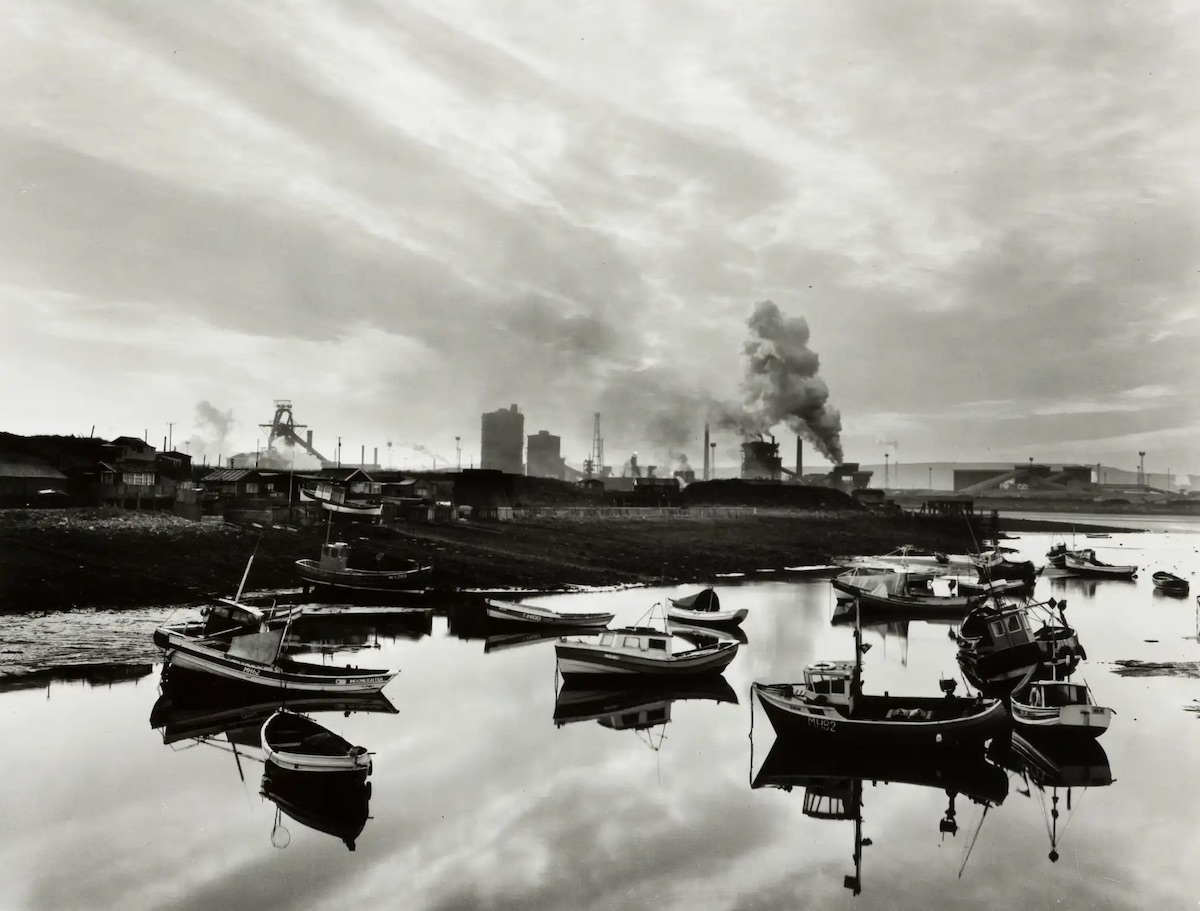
(227, 615)
(830, 682)
(637, 639)
(998, 629)
(639, 719)
(335, 556)
(1056, 693)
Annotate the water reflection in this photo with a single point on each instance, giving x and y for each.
(90, 674)
(339, 808)
(325, 634)
(833, 780)
(1052, 770)
(642, 708)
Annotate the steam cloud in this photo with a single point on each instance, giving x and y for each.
(782, 386)
(213, 425)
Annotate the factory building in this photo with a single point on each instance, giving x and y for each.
(503, 441)
(544, 455)
(761, 461)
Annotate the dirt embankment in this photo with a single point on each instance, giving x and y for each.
(53, 559)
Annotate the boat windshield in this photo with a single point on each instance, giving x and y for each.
(1057, 694)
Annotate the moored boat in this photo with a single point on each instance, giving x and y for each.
(1169, 583)
(1086, 563)
(639, 651)
(296, 743)
(543, 617)
(1059, 708)
(997, 648)
(704, 608)
(999, 563)
(334, 572)
(900, 591)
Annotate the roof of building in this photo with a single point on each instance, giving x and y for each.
(339, 474)
(126, 441)
(26, 468)
(228, 475)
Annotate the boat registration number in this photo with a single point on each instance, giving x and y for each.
(251, 671)
(823, 724)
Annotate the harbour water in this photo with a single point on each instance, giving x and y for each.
(489, 790)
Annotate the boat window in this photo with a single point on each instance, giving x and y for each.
(606, 639)
(660, 644)
(997, 627)
(1014, 623)
(631, 642)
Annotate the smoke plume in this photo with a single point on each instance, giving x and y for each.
(782, 386)
(212, 436)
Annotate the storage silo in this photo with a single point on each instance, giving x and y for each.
(503, 441)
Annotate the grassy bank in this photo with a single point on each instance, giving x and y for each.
(52, 559)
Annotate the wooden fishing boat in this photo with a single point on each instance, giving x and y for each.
(544, 617)
(1000, 563)
(899, 591)
(334, 499)
(991, 588)
(334, 572)
(703, 608)
(296, 743)
(1085, 563)
(639, 652)
(1059, 708)
(1169, 583)
(996, 647)
(830, 707)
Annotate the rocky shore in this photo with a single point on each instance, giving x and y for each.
(56, 559)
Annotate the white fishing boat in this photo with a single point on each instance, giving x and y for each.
(1062, 708)
(296, 743)
(535, 615)
(640, 651)
(1086, 563)
(704, 608)
(379, 576)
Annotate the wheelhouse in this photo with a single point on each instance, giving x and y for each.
(1058, 693)
(830, 682)
(636, 640)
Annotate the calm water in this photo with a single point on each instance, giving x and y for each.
(479, 800)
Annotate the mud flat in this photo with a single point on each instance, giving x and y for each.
(62, 559)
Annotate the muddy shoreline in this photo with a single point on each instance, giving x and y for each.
(62, 559)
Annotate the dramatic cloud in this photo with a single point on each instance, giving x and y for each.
(403, 215)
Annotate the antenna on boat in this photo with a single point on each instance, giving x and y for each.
(246, 573)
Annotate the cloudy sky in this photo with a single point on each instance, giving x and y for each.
(400, 215)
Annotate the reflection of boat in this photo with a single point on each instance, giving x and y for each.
(295, 743)
(703, 608)
(500, 641)
(833, 781)
(1048, 766)
(996, 647)
(1059, 708)
(639, 651)
(700, 635)
(623, 708)
(1086, 563)
(534, 615)
(1169, 583)
(334, 572)
(830, 707)
(253, 658)
(183, 712)
(338, 810)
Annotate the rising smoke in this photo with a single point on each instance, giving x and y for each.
(212, 437)
(781, 385)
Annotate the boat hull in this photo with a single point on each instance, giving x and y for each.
(579, 659)
(1170, 584)
(363, 580)
(1067, 721)
(527, 615)
(285, 675)
(929, 605)
(1089, 570)
(950, 721)
(705, 617)
(295, 743)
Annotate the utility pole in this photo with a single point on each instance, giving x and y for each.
(1141, 469)
(886, 456)
(931, 477)
(339, 456)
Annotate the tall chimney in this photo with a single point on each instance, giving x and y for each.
(375, 458)
(362, 455)
(706, 466)
(799, 457)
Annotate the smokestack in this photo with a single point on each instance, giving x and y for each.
(375, 459)
(706, 452)
(799, 457)
(362, 455)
